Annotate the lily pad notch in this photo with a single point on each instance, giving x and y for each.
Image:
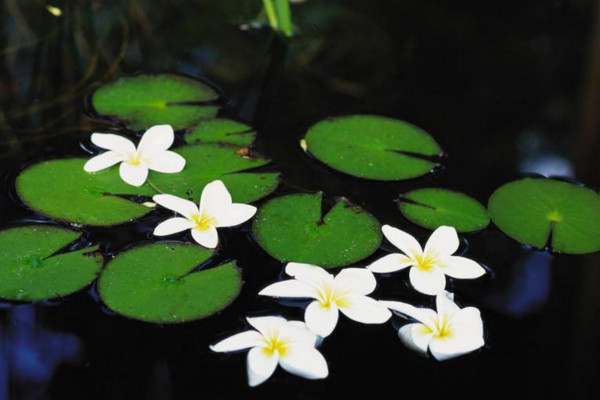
(373, 147)
(294, 228)
(543, 212)
(161, 283)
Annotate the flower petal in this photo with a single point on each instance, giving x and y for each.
(215, 199)
(113, 142)
(442, 242)
(461, 267)
(308, 273)
(239, 341)
(425, 316)
(365, 310)
(173, 225)
(358, 281)
(289, 288)
(177, 204)
(260, 365)
(103, 161)
(391, 263)
(304, 361)
(266, 325)
(296, 332)
(321, 320)
(416, 337)
(208, 238)
(167, 162)
(156, 140)
(402, 240)
(133, 174)
(468, 318)
(446, 307)
(236, 214)
(445, 348)
(431, 281)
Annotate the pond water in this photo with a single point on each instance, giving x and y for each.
(507, 89)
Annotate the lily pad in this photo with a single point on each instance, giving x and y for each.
(540, 212)
(146, 100)
(207, 162)
(292, 228)
(373, 147)
(31, 271)
(434, 207)
(62, 190)
(159, 283)
(221, 130)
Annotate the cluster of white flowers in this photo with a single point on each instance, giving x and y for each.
(446, 332)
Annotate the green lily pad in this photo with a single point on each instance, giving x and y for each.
(146, 100)
(158, 283)
(207, 162)
(62, 190)
(433, 207)
(292, 228)
(221, 131)
(30, 270)
(538, 211)
(373, 147)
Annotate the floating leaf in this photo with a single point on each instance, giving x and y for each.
(30, 270)
(221, 131)
(61, 189)
(433, 207)
(207, 162)
(159, 283)
(538, 211)
(373, 147)
(292, 228)
(146, 100)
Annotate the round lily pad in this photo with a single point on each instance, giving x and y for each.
(293, 228)
(373, 147)
(221, 130)
(434, 207)
(30, 270)
(207, 162)
(159, 283)
(62, 190)
(146, 100)
(540, 212)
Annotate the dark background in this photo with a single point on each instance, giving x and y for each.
(506, 87)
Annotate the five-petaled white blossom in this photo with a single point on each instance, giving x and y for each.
(277, 341)
(447, 333)
(430, 265)
(216, 210)
(151, 154)
(347, 292)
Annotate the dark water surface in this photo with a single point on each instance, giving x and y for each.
(507, 88)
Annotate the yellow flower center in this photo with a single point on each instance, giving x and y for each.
(443, 328)
(134, 159)
(275, 344)
(327, 295)
(425, 262)
(203, 221)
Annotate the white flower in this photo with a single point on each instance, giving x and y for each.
(449, 333)
(216, 210)
(277, 341)
(429, 265)
(346, 293)
(151, 153)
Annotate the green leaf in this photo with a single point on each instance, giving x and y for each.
(433, 207)
(538, 211)
(146, 100)
(373, 147)
(207, 162)
(292, 228)
(30, 270)
(159, 283)
(221, 131)
(62, 190)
